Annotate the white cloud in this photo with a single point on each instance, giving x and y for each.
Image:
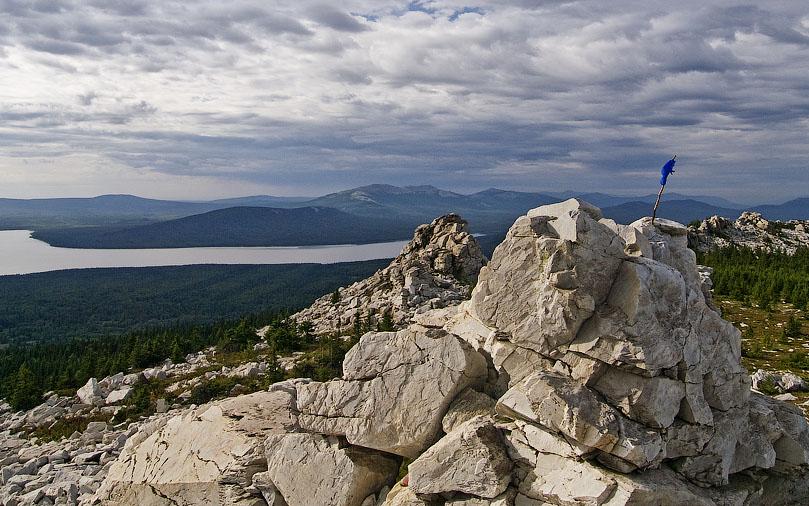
(305, 97)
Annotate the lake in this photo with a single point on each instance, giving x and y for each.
(20, 254)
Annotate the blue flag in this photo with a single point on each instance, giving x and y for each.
(666, 170)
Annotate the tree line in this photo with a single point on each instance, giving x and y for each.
(27, 371)
(760, 277)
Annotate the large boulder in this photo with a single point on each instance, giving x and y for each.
(395, 390)
(469, 460)
(313, 469)
(207, 455)
(90, 393)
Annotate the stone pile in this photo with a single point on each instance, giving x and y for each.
(117, 388)
(68, 471)
(437, 268)
(64, 472)
(750, 230)
(587, 368)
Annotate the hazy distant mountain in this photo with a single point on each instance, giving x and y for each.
(605, 200)
(683, 211)
(392, 210)
(238, 226)
(262, 201)
(486, 211)
(373, 199)
(797, 209)
(102, 210)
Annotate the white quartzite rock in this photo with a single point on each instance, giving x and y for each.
(205, 456)
(395, 390)
(90, 393)
(312, 469)
(471, 460)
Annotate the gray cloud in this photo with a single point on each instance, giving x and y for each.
(333, 18)
(543, 95)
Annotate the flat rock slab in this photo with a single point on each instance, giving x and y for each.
(203, 456)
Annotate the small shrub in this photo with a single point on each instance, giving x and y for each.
(799, 360)
(213, 389)
(768, 387)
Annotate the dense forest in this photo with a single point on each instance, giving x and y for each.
(28, 371)
(759, 277)
(103, 302)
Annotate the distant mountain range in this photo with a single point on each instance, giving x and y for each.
(360, 215)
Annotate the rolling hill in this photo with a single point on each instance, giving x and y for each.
(797, 209)
(239, 226)
(104, 210)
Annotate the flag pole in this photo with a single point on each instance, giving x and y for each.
(659, 195)
(657, 203)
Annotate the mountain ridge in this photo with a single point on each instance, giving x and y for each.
(236, 226)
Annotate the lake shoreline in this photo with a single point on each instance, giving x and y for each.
(22, 254)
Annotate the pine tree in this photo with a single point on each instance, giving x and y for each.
(386, 323)
(177, 352)
(26, 394)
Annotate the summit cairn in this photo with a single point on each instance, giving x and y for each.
(436, 269)
(616, 382)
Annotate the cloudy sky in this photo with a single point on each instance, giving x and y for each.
(208, 98)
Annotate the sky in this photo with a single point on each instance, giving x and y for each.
(206, 99)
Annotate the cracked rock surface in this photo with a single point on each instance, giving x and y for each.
(206, 455)
(395, 390)
(326, 470)
(616, 380)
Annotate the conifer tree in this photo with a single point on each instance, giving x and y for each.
(26, 393)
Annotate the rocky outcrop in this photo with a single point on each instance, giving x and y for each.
(437, 268)
(621, 383)
(206, 455)
(750, 230)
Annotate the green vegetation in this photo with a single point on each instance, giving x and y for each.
(756, 277)
(106, 302)
(765, 295)
(26, 371)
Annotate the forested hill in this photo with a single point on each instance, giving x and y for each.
(240, 226)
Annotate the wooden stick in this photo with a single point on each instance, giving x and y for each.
(657, 203)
